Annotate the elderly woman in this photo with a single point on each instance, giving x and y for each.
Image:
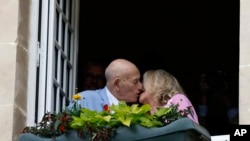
(162, 89)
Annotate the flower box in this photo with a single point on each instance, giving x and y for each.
(182, 129)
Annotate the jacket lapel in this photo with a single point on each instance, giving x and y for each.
(104, 96)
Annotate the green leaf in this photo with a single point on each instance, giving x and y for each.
(162, 111)
(57, 123)
(126, 120)
(105, 118)
(77, 123)
(145, 108)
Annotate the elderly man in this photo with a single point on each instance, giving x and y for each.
(123, 84)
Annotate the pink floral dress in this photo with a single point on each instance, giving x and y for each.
(184, 103)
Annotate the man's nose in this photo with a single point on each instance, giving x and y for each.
(141, 88)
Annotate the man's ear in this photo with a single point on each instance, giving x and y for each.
(117, 83)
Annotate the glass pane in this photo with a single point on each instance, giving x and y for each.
(63, 34)
(57, 25)
(62, 71)
(70, 12)
(54, 97)
(55, 64)
(60, 103)
(68, 45)
(67, 86)
(64, 6)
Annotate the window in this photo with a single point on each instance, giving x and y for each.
(57, 56)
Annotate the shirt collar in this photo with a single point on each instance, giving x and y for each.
(111, 98)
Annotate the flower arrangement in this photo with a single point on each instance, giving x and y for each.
(101, 125)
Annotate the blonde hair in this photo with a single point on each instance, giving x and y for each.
(163, 85)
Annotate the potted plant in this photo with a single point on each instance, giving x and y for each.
(92, 125)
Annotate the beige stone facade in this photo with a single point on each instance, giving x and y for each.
(244, 75)
(8, 35)
(14, 55)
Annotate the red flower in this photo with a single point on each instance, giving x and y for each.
(106, 108)
(62, 128)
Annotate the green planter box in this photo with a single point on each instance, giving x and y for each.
(180, 130)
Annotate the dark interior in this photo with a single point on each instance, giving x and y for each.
(184, 38)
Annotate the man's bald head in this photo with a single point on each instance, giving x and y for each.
(119, 67)
(123, 80)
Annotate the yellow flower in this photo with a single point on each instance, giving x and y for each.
(77, 96)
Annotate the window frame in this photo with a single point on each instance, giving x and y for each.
(42, 47)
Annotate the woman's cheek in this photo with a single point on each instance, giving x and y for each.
(142, 98)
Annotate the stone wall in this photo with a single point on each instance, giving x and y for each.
(8, 35)
(244, 75)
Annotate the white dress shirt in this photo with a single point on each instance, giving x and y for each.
(111, 98)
